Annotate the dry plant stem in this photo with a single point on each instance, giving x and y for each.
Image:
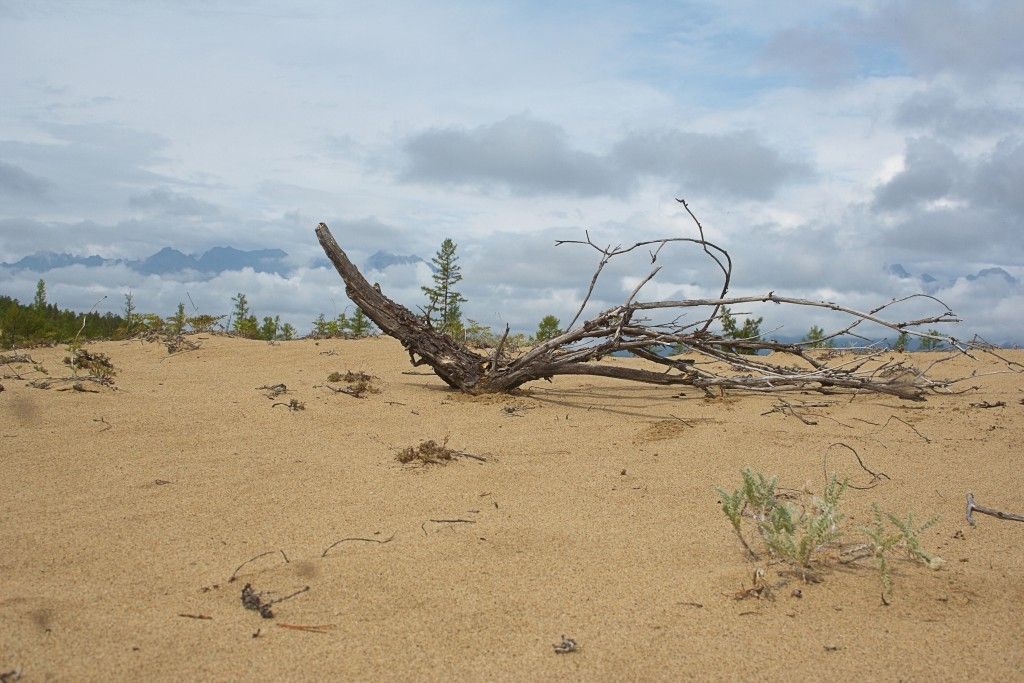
(308, 628)
(973, 507)
(366, 540)
(620, 328)
(912, 427)
(876, 477)
(234, 574)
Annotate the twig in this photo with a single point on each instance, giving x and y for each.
(102, 420)
(367, 540)
(204, 617)
(876, 477)
(309, 628)
(290, 596)
(986, 404)
(234, 574)
(973, 507)
(893, 417)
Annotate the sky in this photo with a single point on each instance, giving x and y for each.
(819, 143)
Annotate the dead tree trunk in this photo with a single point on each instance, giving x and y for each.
(620, 328)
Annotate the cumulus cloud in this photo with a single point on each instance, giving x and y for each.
(930, 170)
(526, 155)
(532, 157)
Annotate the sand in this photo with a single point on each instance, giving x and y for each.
(594, 516)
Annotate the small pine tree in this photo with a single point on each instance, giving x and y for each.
(129, 312)
(751, 329)
(816, 337)
(901, 342)
(320, 326)
(268, 330)
(442, 298)
(287, 332)
(548, 328)
(929, 344)
(177, 321)
(360, 325)
(243, 322)
(342, 325)
(39, 303)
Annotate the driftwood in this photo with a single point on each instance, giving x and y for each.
(621, 328)
(973, 507)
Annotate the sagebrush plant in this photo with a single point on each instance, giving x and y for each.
(801, 536)
(881, 541)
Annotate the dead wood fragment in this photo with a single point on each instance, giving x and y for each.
(624, 328)
(986, 404)
(273, 390)
(204, 617)
(254, 601)
(10, 676)
(293, 405)
(566, 646)
(973, 507)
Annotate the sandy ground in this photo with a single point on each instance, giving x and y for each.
(594, 516)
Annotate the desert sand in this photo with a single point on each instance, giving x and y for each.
(593, 515)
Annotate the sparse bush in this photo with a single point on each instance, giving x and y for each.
(96, 365)
(800, 536)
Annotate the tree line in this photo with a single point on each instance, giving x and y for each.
(43, 322)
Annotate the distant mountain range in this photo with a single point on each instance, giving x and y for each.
(931, 283)
(167, 260)
(209, 263)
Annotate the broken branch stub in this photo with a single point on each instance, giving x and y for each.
(621, 328)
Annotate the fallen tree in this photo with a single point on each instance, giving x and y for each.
(732, 363)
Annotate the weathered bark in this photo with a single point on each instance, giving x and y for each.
(578, 350)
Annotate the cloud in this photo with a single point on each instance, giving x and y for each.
(930, 170)
(17, 182)
(172, 203)
(968, 38)
(975, 42)
(730, 165)
(939, 110)
(820, 57)
(999, 179)
(531, 157)
(526, 155)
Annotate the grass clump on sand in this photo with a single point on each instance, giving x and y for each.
(95, 365)
(359, 383)
(804, 536)
(432, 453)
